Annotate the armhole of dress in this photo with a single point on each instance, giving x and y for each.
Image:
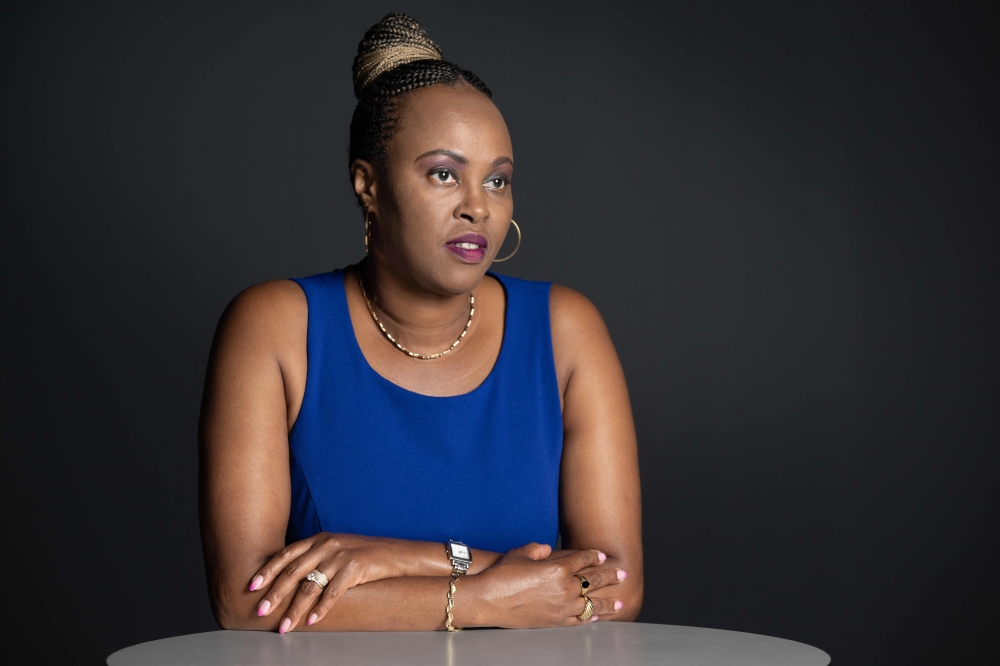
(553, 371)
(303, 519)
(554, 379)
(305, 391)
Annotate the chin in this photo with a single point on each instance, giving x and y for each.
(460, 277)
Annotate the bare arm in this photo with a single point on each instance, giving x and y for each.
(600, 458)
(244, 478)
(253, 387)
(521, 590)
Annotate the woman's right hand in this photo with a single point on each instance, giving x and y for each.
(346, 560)
(527, 588)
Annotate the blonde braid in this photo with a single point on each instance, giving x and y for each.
(395, 40)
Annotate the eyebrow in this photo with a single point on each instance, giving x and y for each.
(460, 158)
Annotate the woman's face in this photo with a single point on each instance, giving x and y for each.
(444, 203)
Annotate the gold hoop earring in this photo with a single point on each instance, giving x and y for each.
(368, 230)
(497, 261)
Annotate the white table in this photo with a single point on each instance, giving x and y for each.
(618, 643)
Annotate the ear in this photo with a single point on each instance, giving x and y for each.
(363, 178)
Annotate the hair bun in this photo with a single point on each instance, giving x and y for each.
(395, 40)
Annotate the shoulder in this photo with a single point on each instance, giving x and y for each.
(267, 302)
(573, 316)
(268, 314)
(579, 336)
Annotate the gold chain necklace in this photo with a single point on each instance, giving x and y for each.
(472, 311)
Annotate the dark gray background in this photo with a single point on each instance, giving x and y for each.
(787, 213)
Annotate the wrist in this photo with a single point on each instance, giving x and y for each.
(469, 608)
(422, 558)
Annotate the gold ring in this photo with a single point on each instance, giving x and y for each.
(584, 585)
(319, 578)
(588, 609)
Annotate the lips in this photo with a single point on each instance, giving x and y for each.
(470, 247)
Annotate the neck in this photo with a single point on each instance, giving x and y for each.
(421, 320)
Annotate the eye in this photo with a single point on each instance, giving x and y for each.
(497, 183)
(443, 176)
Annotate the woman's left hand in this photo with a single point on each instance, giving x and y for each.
(345, 559)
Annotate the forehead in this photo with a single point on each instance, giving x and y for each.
(458, 118)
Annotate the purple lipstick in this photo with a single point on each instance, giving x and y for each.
(469, 247)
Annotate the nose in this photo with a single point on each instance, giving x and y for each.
(474, 206)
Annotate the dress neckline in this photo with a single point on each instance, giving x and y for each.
(394, 386)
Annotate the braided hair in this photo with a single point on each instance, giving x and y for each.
(395, 57)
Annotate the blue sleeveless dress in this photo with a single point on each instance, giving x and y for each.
(370, 457)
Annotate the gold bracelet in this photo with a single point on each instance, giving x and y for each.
(451, 602)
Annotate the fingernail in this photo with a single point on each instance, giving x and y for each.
(312, 618)
(618, 605)
(256, 582)
(284, 625)
(601, 556)
(593, 618)
(263, 608)
(621, 574)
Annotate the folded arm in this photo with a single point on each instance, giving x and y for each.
(600, 504)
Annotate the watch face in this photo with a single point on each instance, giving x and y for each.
(459, 551)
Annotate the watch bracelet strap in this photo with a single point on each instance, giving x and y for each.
(450, 616)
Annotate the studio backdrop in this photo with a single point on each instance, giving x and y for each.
(786, 212)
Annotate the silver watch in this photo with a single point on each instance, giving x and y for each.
(460, 556)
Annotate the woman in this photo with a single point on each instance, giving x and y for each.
(361, 427)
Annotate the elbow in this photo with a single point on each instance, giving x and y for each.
(226, 620)
(632, 600)
(229, 619)
(228, 614)
(635, 605)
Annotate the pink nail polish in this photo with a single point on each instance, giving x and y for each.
(618, 605)
(621, 574)
(601, 556)
(312, 618)
(594, 618)
(256, 582)
(263, 608)
(284, 625)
